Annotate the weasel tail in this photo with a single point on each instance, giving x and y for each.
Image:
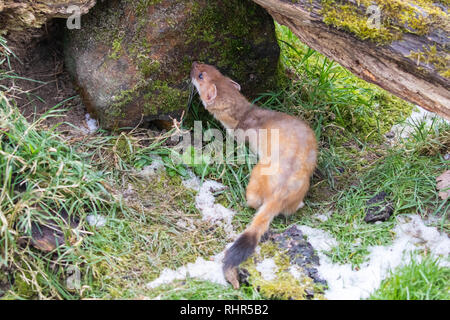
(245, 245)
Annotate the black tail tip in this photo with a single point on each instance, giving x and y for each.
(241, 249)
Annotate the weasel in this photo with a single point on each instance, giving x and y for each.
(279, 181)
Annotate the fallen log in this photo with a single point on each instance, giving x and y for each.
(23, 21)
(401, 46)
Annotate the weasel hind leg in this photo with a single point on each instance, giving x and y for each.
(295, 199)
(254, 191)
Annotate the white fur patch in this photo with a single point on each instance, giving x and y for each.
(197, 86)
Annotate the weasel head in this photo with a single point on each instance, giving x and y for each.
(211, 84)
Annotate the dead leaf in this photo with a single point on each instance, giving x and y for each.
(443, 185)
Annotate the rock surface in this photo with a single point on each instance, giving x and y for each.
(300, 252)
(131, 59)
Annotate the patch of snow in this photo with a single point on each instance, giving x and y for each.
(212, 212)
(323, 217)
(155, 167)
(96, 220)
(404, 129)
(267, 268)
(200, 269)
(193, 182)
(295, 271)
(91, 123)
(417, 232)
(345, 283)
(319, 239)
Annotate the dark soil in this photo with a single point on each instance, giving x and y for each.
(42, 59)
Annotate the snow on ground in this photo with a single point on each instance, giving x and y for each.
(201, 269)
(193, 182)
(96, 220)
(418, 115)
(319, 239)
(345, 283)
(155, 167)
(91, 123)
(213, 212)
(267, 268)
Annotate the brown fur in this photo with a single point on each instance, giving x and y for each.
(283, 190)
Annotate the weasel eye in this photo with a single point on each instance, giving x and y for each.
(200, 76)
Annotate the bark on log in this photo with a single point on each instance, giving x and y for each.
(21, 20)
(413, 63)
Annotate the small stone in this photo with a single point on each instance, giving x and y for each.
(378, 209)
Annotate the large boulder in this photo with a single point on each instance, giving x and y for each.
(131, 59)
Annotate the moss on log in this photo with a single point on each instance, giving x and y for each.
(400, 45)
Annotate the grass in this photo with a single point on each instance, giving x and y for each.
(43, 172)
(203, 290)
(424, 280)
(41, 176)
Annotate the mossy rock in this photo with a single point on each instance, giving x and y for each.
(131, 59)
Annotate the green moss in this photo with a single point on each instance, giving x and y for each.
(229, 35)
(148, 67)
(102, 28)
(115, 110)
(439, 60)
(396, 18)
(22, 286)
(284, 286)
(164, 97)
(142, 5)
(116, 48)
(350, 19)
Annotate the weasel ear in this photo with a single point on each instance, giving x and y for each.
(237, 85)
(211, 94)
